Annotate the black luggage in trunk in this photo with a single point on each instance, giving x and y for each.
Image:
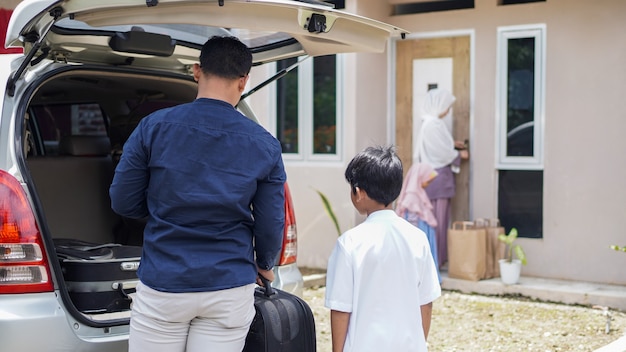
(283, 323)
(99, 277)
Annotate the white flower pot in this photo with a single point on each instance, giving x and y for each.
(510, 272)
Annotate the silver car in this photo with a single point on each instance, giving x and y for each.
(89, 72)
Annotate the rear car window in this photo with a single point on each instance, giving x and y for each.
(53, 122)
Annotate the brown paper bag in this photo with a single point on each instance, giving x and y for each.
(466, 251)
(494, 247)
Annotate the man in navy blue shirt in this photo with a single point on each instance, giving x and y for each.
(211, 183)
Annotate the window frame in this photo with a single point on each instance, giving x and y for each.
(305, 112)
(503, 161)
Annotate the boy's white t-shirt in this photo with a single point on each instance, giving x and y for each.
(381, 272)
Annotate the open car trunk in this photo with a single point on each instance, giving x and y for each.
(78, 121)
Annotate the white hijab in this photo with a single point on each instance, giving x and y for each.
(435, 145)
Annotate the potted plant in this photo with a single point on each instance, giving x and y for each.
(511, 268)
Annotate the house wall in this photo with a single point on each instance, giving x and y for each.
(585, 111)
(9, 4)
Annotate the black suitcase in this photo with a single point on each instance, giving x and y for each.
(283, 323)
(99, 277)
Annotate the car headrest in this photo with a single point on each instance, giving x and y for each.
(85, 145)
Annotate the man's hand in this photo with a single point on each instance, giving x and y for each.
(268, 274)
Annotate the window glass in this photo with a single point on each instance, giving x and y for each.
(306, 105)
(60, 120)
(325, 105)
(521, 85)
(287, 107)
(520, 202)
(520, 97)
(515, 2)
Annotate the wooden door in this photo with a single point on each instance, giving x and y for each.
(458, 50)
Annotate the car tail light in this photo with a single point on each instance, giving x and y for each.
(23, 262)
(289, 253)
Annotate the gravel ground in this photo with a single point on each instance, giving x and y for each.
(463, 322)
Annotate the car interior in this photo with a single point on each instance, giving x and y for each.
(77, 125)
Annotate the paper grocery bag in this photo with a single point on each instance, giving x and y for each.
(467, 251)
(494, 247)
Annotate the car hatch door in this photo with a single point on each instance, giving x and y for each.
(320, 29)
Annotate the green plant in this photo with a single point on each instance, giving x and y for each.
(619, 248)
(329, 211)
(513, 247)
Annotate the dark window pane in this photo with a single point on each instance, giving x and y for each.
(520, 202)
(432, 6)
(325, 105)
(514, 2)
(339, 4)
(60, 120)
(287, 107)
(520, 97)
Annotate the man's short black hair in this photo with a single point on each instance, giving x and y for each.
(225, 57)
(377, 171)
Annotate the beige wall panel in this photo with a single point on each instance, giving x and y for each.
(404, 102)
(9, 4)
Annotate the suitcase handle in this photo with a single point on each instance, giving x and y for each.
(268, 290)
(127, 285)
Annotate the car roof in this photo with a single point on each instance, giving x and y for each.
(168, 34)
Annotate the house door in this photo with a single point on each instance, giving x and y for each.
(423, 64)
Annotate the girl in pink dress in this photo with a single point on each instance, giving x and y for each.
(414, 206)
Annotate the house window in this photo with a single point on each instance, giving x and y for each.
(307, 105)
(413, 7)
(287, 119)
(325, 105)
(55, 121)
(520, 201)
(515, 2)
(339, 4)
(521, 62)
(520, 117)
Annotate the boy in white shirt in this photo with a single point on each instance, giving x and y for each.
(381, 276)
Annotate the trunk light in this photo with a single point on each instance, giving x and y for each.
(289, 254)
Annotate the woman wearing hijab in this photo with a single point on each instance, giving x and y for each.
(436, 147)
(414, 206)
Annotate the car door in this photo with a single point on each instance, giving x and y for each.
(82, 30)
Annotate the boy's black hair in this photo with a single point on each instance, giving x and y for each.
(225, 57)
(378, 171)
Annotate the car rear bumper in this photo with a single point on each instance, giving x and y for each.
(288, 278)
(37, 322)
